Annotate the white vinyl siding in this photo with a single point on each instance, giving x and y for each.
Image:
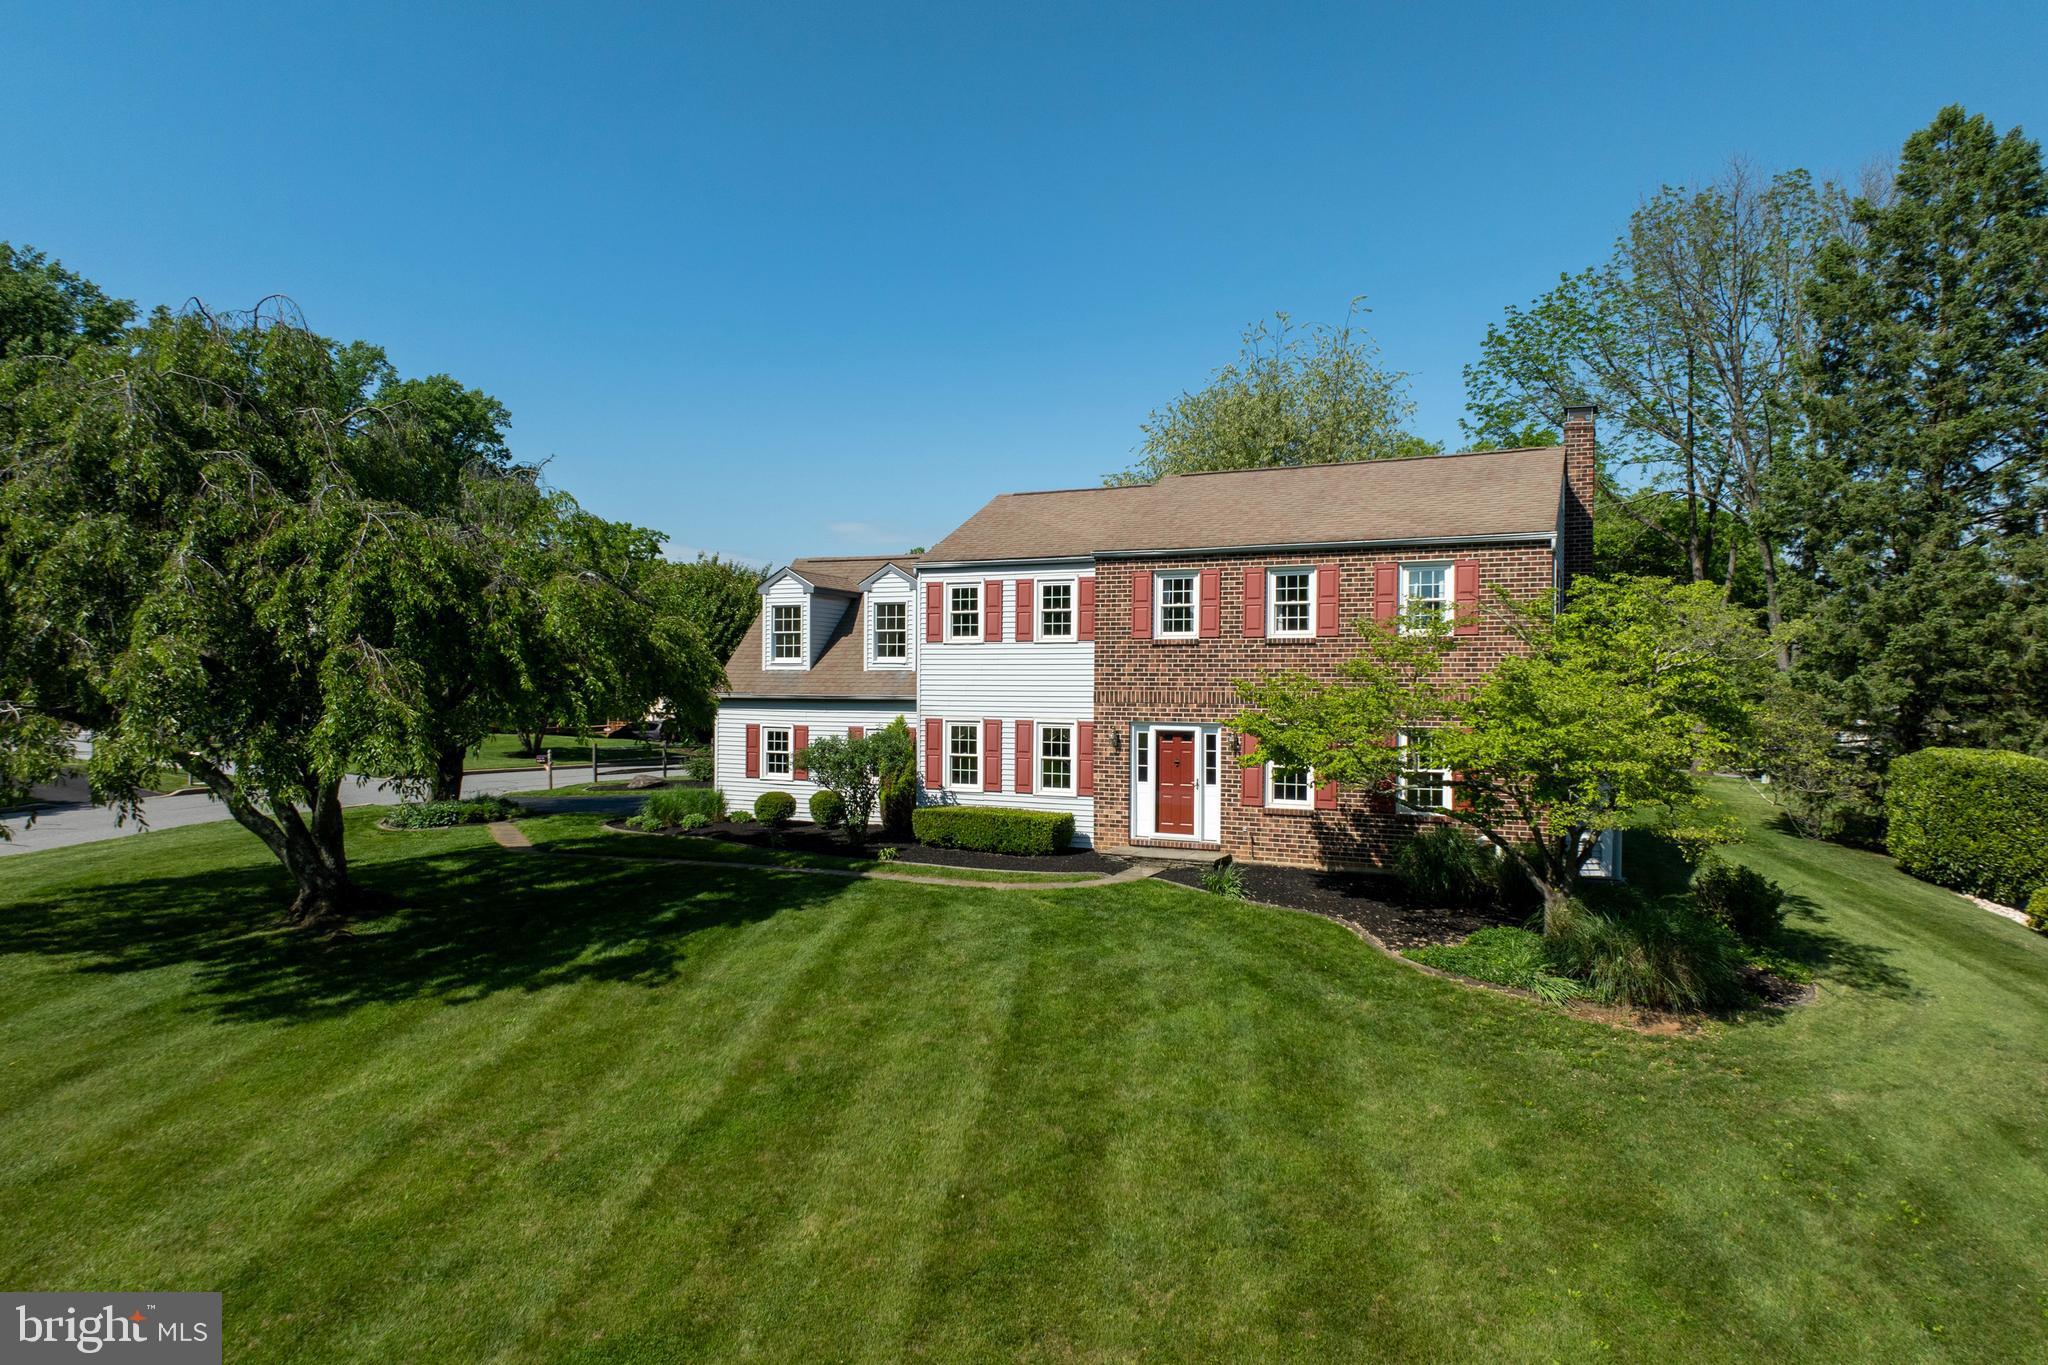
(822, 718)
(895, 622)
(1045, 681)
(785, 595)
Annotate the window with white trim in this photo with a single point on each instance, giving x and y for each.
(1290, 786)
(1425, 594)
(1290, 598)
(1173, 595)
(1425, 784)
(1141, 746)
(786, 634)
(1209, 748)
(1055, 611)
(892, 632)
(963, 756)
(963, 611)
(775, 751)
(1056, 759)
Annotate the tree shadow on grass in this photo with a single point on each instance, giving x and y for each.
(470, 924)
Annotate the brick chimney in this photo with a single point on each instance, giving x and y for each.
(1581, 476)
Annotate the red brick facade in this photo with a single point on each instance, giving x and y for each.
(1190, 681)
(1581, 478)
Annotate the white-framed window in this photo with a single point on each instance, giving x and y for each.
(1209, 760)
(775, 751)
(1290, 602)
(963, 611)
(892, 632)
(786, 633)
(1425, 593)
(1173, 597)
(963, 756)
(1425, 785)
(1056, 759)
(1290, 786)
(1055, 611)
(1141, 748)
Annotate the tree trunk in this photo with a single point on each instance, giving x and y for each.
(1774, 613)
(326, 898)
(448, 775)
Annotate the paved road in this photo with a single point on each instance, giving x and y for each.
(58, 826)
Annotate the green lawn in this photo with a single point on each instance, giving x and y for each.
(572, 1109)
(568, 751)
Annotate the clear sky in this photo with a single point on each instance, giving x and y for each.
(780, 279)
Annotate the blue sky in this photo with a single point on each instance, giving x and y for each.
(781, 279)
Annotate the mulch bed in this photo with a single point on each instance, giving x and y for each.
(811, 839)
(1363, 902)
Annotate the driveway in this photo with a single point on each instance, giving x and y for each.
(61, 825)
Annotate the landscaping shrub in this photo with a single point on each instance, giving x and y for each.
(993, 829)
(898, 791)
(774, 808)
(1745, 900)
(2037, 911)
(1444, 865)
(447, 814)
(697, 768)
(1972, 819)
(670, 807)
(1506, 957)
(1224, 879)
(1650, 958)
(827, 809)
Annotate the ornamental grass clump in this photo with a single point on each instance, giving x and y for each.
(672, 807)
(1445, 865)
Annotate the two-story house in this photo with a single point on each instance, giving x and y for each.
(1077, 649)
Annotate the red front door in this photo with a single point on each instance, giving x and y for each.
(1176, 813)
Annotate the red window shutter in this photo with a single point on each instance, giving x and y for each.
(1027, 611)
(1458, 798)
(934, 754)
(1209, 601)
(1386, 592)
(753, 751)
(1326, 599)
(799, 736)
(1141, 605)
(1252, 781)
(1466, 579)
(992, 610)
(854, 732)
(1255, 603)
(991, 755)
(1326, 796)
(1084, 625)
(934, 613)
(1084, 758)
(1024, 756)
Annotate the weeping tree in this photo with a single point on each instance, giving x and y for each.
(1607, 715)
(220, 550)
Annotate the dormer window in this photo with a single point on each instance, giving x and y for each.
(786, 635)
(892, 631)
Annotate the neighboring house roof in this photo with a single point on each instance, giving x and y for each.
(1494, 494)
(840, 669)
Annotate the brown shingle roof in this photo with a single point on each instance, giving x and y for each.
(840, 669)
(1434, 497)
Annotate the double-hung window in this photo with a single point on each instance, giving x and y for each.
(892, 632)
(1290, 786)
(1425, 783)
(786, 634)
(1176, 598)
(1055, 611)
(1425, 595)
(1056, 759)
(775, 751)
(963, 756)
(1291, 595)
(963, 611)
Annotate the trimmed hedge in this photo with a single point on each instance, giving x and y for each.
(1973, 819)
(828, 809)
(774, 808)
(992, 829)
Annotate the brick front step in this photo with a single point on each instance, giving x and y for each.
(1196, 855)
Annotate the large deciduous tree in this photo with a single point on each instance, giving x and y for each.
(1607, 716)
(1294, 396)
(1922, 502)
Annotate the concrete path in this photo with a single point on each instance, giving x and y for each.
(62, 825)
